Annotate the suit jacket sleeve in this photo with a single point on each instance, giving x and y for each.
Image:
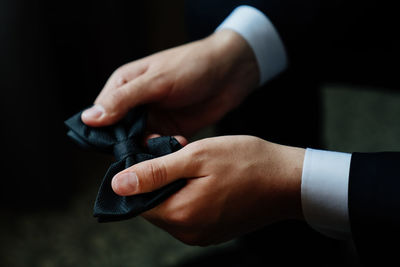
(374, 206)
(339, 40)
(336, 40)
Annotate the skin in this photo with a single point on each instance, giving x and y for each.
(236, 184)
(248, 183)
(187, 87)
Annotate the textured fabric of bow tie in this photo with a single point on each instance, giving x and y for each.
(124, 140)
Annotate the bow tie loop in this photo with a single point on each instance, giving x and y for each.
(126, 148)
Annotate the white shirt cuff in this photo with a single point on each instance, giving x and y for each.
(262, 37)
(324, 192)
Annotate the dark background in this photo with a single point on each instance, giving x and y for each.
(54, 59)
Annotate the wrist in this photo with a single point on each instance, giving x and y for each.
(235, 58)
(288, 164)
(294, 158)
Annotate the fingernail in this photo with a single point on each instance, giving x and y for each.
(93, 113)
(125, 183)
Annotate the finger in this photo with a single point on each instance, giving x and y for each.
(152, 174)
(181, 139)
(125, 74)
(112, 105)
(151, 136)
(148, 137)
(106, 110)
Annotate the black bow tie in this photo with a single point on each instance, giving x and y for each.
(124, 141)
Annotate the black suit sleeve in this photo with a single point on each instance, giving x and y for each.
(374, 206)
(335, 40)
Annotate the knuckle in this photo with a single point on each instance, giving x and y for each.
(161, 81)
(196, 149)
(158, 73)
(158, 174)
(162, 78)
(182, 218)
(120, 70)
(139, 186)
(117, 99)
(114, 98)
(196, 153)
(119, 76)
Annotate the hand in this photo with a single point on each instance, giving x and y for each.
(188, 87)
(236, 184)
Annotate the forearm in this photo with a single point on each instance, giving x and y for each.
(289, 164)
(229, 42)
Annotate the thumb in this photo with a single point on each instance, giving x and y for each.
(111, 105)
(152, 174)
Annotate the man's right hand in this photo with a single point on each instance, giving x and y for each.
(187, 87)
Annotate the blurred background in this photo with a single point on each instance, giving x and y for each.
(55, 57)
